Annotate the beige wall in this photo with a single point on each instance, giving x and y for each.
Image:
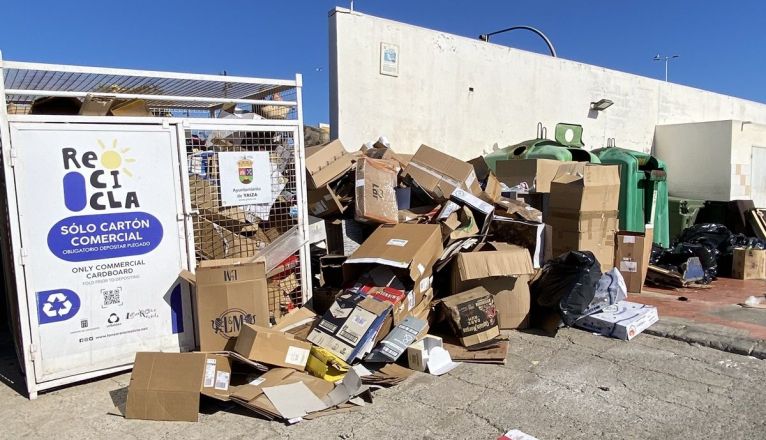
(698, 157)
(430, 101)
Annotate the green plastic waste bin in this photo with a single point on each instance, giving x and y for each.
(567, 146)
(643, 191)
(683, 213)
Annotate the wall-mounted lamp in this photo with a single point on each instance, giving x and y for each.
(601, 105)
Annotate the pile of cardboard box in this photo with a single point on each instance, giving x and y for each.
(424, 259)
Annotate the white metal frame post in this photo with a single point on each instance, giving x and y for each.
(300, 171)
(25, 345)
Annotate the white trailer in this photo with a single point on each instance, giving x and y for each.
(104, 211)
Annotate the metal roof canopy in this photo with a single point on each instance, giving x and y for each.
(26, 81)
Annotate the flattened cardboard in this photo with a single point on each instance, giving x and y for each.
(293, 401)
(505, 273)
(218, 243)
(375, 196)
(397, 341)
(624, 320)
(272, 347)
(351, 323)
(439, 174)
(537, 173)
(325, 163)
(253, 397)
(229, 294)
(749, 264)
(167, 386)
(473, 316)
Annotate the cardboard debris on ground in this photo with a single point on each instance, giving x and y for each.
(495, 353)
(433, 245)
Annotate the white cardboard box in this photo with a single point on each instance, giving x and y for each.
(623, 320)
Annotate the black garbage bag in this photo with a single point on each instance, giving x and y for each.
(567, 284)
(711, 235)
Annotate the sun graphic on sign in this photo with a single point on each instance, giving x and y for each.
(114, 158)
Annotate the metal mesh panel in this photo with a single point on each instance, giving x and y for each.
(162, 92)
(242, 231)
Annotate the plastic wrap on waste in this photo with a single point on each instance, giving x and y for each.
(610, 290)
(568, 284)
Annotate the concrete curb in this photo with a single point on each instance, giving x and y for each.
(709, 335)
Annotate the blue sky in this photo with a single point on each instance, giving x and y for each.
(722, 45)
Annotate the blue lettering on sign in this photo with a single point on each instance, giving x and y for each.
(75, 197)
(56, 305)
(102, 236)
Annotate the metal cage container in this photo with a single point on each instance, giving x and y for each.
(98, 132)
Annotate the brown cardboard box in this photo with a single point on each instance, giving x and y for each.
(586, 187)
(473, 316)
(375, 196)
(632, 257)
(504, 270)
(411, 249)
(272, 347)
(583, 210)
(537, 173)
(167, 386)
(749, 264)
(229, 294)
(439, 174)
(325, 163)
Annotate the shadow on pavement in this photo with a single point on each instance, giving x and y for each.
(10, 373)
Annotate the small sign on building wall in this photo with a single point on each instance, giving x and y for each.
(389, 59)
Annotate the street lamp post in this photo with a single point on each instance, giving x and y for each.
(667, 59)
(551, 49)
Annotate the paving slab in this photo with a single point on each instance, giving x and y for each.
(574, 386)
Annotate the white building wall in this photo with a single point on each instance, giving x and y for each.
(430, 102)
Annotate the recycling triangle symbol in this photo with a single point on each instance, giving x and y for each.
(57, 305)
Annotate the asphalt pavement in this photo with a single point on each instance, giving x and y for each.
(576, 385)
